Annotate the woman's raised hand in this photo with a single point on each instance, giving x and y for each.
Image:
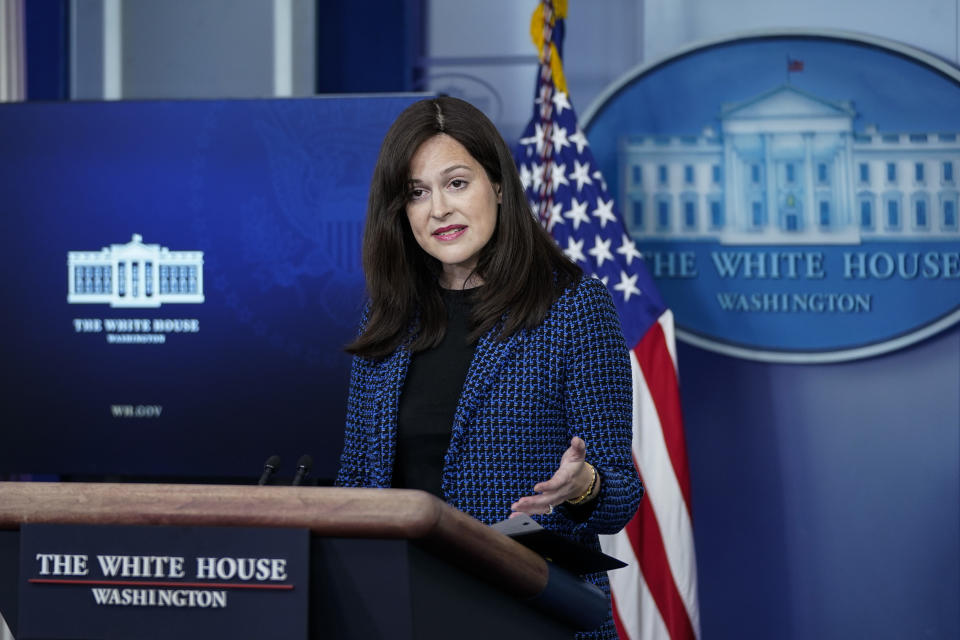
(572, 480)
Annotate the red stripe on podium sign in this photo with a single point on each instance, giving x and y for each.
(173, 585)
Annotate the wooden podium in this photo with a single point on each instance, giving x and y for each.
(385, 563)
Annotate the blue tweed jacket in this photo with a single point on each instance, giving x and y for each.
(523, 400)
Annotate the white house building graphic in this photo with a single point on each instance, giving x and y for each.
(134, 275)
(787, 167)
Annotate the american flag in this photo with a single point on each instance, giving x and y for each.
(656, 596)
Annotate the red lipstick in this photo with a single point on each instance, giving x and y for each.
(449, 232)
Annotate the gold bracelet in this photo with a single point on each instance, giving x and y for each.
(593, 483)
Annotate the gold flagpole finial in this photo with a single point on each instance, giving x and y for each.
(541, 30)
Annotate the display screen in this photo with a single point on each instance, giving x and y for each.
(180, 279)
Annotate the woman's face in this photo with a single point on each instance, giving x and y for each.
(452, 207)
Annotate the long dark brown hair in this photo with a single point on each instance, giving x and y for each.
(522, 269)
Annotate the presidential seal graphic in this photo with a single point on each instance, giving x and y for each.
(285, 262)
(134, 275)
(795, 197)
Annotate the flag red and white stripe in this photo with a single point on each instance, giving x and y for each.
(656, 595)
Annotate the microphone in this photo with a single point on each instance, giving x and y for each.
(303, 469)
(269, 467)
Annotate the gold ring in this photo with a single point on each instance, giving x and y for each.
(549, 509)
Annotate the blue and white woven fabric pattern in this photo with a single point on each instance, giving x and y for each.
(524, 398)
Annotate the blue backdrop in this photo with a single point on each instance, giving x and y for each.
(826, 500)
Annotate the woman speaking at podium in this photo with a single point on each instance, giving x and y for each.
(488, 370)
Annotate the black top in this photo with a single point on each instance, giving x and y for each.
(429, 400)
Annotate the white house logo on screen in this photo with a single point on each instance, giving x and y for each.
(134, 275)
(796, 197)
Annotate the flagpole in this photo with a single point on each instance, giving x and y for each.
(546, 102)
